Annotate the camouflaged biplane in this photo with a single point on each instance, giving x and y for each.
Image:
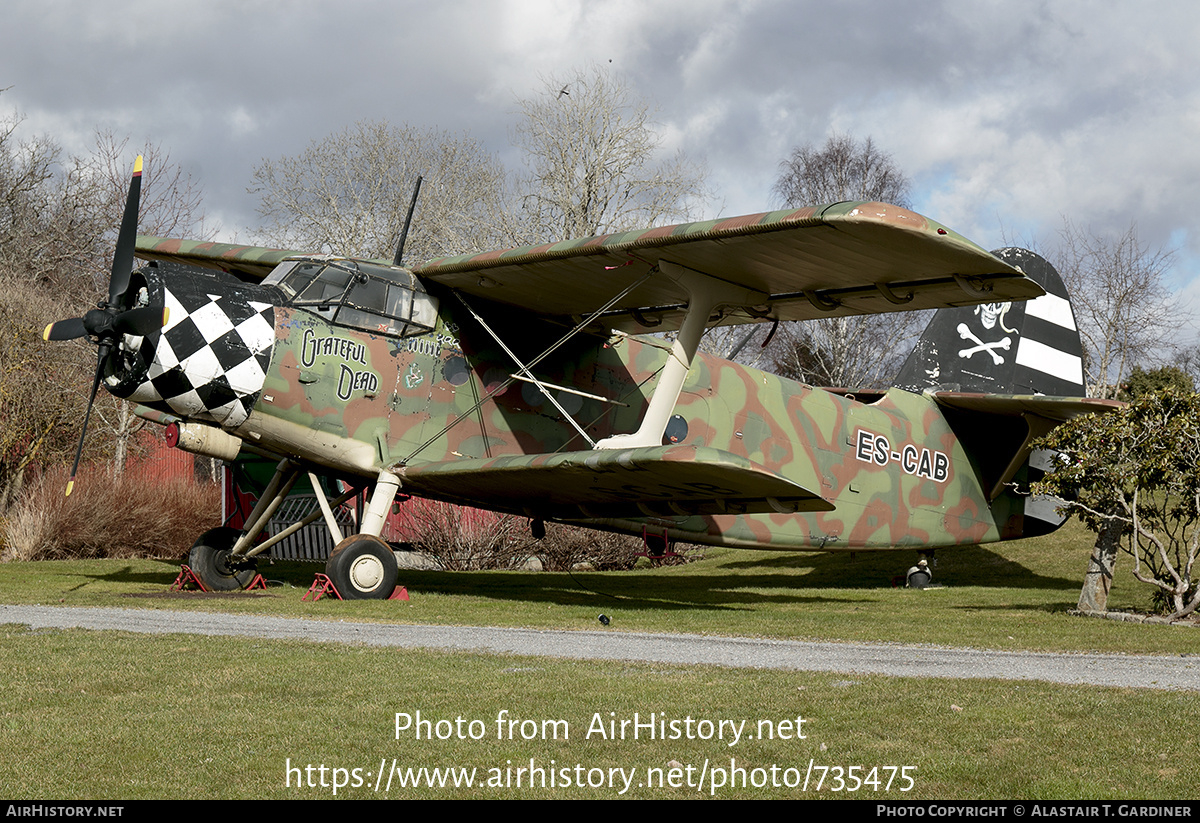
(522, 381)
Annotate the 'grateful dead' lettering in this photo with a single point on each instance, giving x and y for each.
(350, 381)
(330, 346)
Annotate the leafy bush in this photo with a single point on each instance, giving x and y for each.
(1138, 470)
(1142, 382)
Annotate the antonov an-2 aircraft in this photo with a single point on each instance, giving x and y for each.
(522, 381)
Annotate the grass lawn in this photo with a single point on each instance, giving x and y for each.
(109, 715)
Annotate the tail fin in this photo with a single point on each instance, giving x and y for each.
(1003, 348)
(1007, 349)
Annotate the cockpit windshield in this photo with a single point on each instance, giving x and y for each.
(375, 298)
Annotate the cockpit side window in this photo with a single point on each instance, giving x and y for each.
(376, 299)
(291, 276)
(325, 290)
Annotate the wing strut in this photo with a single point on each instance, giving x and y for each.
(580, 326)
(705, 293)
(525, 373)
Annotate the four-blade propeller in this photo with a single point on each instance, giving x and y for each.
(106, 323)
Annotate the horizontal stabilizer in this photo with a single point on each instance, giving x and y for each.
(998, 432)
(1058, 409)
(661, 481)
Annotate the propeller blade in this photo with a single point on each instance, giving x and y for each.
(106, 322)
(65, 330)
(143, 321)
(104, 350)
(127, 238)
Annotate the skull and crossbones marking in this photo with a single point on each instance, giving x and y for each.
(966, 334)
(990, 314)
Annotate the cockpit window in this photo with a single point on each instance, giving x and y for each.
(377, 299)
(325, 290)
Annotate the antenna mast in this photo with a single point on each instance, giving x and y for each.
(407, 222)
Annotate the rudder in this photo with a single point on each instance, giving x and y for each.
(1003, 348)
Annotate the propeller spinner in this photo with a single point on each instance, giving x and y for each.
(105, 324)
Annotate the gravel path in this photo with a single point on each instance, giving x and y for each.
(1140, 671)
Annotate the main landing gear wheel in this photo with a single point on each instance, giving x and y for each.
(210, 560)
(362, 567)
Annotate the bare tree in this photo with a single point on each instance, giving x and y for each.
(842, 169)
(852, 352)
(57, 228)
(49, 231)
(349, 193)
(592, 162)
(748, 345)
(1124, 310)
(59, 217)
(1187, 360)
(42, 386)
(50, 227)
(855, 352)
(171, 205)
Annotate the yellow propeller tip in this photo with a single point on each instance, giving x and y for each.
(46, 331)
(70, 485)
(137, 165)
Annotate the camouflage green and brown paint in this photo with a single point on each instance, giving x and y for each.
(892, 470)
(749, 459)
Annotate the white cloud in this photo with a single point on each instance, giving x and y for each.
(1010, 113)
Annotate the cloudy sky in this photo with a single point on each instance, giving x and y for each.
(1007, 116)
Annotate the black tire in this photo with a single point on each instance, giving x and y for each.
(362, 567)
(209, 559)
(657, 546)
(919, 579)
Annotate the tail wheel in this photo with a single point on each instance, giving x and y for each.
(211, 561)
(919, 580)
(362, 567)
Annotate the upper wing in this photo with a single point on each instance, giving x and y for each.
(821, 261)
(251, 263)
(846, 258)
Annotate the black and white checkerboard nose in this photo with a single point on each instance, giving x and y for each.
(210, 361)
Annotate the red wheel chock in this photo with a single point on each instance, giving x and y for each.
(321, 586)
(187, 579)
(649, 553)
